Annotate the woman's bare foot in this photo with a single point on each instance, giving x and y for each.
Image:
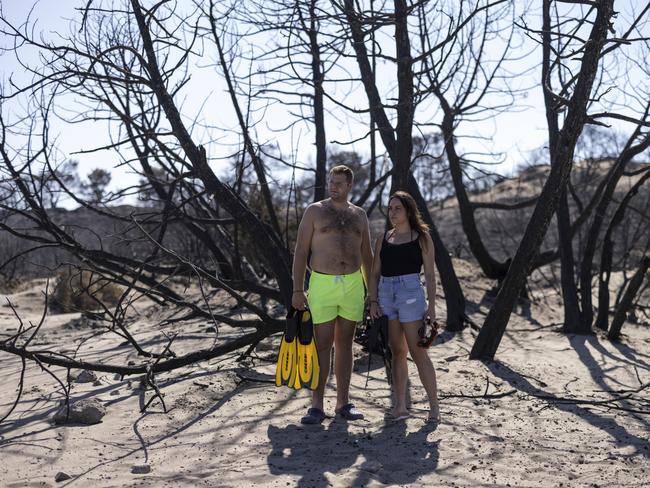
(434, 414)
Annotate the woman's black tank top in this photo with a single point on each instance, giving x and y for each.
(400, 259)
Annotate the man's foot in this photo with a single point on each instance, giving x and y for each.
(314, 416)
(349, 412)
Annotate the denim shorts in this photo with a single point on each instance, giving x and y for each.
(402, 297)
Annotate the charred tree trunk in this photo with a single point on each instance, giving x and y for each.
(225, 269)
(613, 177)
(267, 240)
(495, 323)
(319, 110)
(565, 236)
(454, 297)
(602, 319)
(627, 300)
(405, 105)
(572, 322)
(248, 141)
(491, 267)
(373, 134)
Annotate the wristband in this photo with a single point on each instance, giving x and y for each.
(298, 291)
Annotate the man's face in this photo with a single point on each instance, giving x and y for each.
(339, 187)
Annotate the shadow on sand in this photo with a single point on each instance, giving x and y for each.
(391, 456)
(621, 436)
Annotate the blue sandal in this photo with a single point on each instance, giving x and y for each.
(314, 416)
(349, 412)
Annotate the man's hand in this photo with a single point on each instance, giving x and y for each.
(375, 310)
(299, 301)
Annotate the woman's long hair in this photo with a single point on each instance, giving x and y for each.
(413, 214)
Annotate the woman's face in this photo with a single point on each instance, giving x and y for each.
(396, 212)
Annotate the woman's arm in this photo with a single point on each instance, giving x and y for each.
(366, 249)
(373, 282)
(428, 260)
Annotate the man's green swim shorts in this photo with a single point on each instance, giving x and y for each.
(336, 295)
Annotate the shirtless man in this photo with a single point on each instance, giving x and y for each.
(338, 236)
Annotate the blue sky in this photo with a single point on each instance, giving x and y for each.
(512, 134)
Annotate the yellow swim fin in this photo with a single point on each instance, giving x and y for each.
(286, 370)
(307, 352)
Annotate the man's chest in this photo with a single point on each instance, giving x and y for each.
(339, 225)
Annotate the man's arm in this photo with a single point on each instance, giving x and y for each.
(300, 255)
(366, 250)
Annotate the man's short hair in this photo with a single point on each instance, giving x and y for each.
(342, 169)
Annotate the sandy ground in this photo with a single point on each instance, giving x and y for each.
(505, 423)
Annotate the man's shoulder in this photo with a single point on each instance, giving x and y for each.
(313, 210)
(358, 210)
(314, 207)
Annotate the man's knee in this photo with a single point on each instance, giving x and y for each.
(343, 339)
(324, 336)
(324, 346)
(343, 346)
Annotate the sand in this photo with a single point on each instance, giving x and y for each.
(511, 422)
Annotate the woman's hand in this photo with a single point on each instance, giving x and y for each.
(375, 310)
(431, 311)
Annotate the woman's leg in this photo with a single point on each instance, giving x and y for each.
(399, 350)
(425, 367)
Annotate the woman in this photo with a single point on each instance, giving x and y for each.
(395, 290)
